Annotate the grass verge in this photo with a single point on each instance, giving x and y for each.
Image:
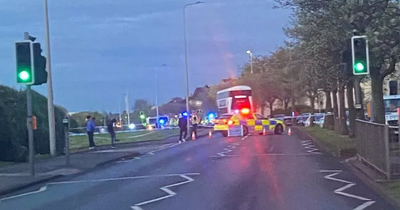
(393, 190)
(80, 142)
(337, 144)
(3, 163)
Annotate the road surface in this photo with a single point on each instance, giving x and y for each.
(277, 172)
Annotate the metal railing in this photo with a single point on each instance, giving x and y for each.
(372, 143)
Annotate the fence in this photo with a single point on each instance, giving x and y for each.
(378, 146)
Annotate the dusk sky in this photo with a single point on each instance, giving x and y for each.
(103, 48)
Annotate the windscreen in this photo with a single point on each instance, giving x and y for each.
(391, 105)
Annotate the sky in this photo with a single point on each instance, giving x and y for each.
(103, 49)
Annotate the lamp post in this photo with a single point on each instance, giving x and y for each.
(157, 94)
(251, 60)
(50, 104)
(186, 61)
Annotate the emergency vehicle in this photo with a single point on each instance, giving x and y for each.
(252, 123)
(234, 98)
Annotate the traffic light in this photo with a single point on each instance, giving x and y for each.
(31, 65)
(142, 116)
(360, 55)
(23, 54)
(40, 73)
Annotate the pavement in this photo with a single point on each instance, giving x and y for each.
(17, 176)
(277, 172)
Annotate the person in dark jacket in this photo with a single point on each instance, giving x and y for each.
(90, 127)
(183, 128)
(111, 131)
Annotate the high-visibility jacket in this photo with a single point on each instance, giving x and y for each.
(194, 119)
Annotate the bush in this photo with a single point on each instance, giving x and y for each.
(13, 132)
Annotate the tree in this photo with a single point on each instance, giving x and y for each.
(329, 23)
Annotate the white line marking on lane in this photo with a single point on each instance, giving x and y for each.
(330, 171)
(25, 194)
(339, 191)
(165, 189)
(162, 148)
(348, 185)
(330, 177)
(123, 178)
(244, 138)
(364, 205)
(220, 154)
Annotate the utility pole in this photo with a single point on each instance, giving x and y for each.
(50, 104)
(127, 108)
(186, 63)
(251, 60)
(29, 121)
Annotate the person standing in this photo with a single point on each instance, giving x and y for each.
(111, 131)
(182, 123)
(195, 121)
(90, 126)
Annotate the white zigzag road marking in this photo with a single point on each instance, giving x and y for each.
(339, 191)
(166, 189)
(308, 144)
(348, 185)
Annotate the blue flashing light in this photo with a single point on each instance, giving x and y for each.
(162, 121)
(211, 115)
(185, 114)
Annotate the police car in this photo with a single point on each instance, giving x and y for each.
(252, 123)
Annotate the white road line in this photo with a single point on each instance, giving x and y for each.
(244, 138)
(330, 177)
(165, 189)
(24, 194)
(339, 191)
(364, 205)
(347, 186)
(123, 178)
(163, 148)
(330, 171)
(221, 154)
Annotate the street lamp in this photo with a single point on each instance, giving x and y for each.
(186, 60)
(50, 104)
(157, 93)
(251, 60)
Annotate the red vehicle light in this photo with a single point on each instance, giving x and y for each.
(245, 111)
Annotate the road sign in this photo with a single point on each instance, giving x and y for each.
(235, 130)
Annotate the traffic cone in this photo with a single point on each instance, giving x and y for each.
(289, 132)
(193, 136)
(210, 134)
(264, 132)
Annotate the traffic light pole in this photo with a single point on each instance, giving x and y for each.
(29, 124)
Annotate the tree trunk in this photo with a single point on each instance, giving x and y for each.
(377, 107)
(312, 101)
(329, 119)
(352, 109)
(328, 102)
(343, 130)
(335, 110)
(286, 103)
(271, 106)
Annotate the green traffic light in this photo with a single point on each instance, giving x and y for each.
(24, 75)
(142, 116)
(359, 67)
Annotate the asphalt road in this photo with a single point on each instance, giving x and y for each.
(274, 172)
